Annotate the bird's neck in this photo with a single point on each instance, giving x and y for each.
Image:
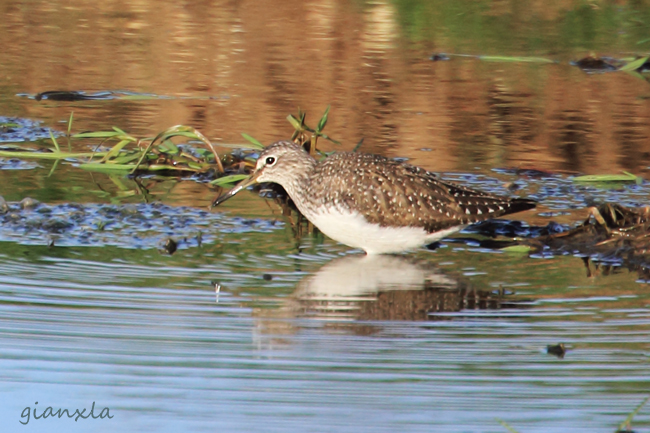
(297, 186)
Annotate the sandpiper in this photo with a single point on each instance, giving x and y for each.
(371, 202)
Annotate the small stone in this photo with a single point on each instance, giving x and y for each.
(4, 207)
(28, 203)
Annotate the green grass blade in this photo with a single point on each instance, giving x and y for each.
(187, 134)
(507, 426)
(515, 59)
(105, 168)
(49, 155)
(326, 137)
(239, 146)
(56, 163)
(226, 180)
(294, 122)
(187, 131)
(356, 148)
(323, 120)
(124, 159)
(97, 134)
(69, 129)
(115, 150)
(633, 66)
(168, 147)
(56, 145)
(624, 177)
(628, 420)
(111, 168)
(70, 122)
(252, 140)
(636, 74)
(517, 249)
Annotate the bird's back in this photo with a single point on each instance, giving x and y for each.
(391, 194)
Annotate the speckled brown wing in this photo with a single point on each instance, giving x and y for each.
(479, 205)
(391, 193)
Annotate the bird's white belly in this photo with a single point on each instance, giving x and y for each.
(353, 230)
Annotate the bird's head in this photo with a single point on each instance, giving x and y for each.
(283, 162)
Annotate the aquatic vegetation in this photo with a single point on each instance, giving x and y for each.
(131, 155)
(625, 177)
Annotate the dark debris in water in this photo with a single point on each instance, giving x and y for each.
(611, 235)
(558, 350)
(128, 226)
(103, 95)
(71, 95)
(436, 57)
(170, 246)
(16, 129)
(592, 64)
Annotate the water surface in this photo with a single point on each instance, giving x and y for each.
(250, 327)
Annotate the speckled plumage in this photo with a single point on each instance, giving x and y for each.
(386, 193)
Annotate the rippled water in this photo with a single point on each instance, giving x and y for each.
(256, 323)
(154, 342)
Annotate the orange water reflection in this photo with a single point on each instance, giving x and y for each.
(246, 65)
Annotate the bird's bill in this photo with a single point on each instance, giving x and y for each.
(241, 185)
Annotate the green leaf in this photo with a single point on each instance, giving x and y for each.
(168, 147)
(111, 168)
(515, 59)
(56, 163)
(623, 426)
(97, 134)
(226, 180)
(633, 66)
(625, 177)
(635, 74)
(105, 168)
(115, 150)
(70, 122)
(506, 425)
(252, 140)
(50, 155)
(294, 122)
(356, 148)
(123, 159)
(56, 145)
(326, 137)
(196, 165)
(323, 120)
(187, 134)
(517, 249)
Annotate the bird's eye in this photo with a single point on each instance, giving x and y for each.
(270, 160)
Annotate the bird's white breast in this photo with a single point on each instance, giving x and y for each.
(353, 230)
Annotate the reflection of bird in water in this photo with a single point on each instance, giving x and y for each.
(354, 292)
(374, 203)
(382, 287)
